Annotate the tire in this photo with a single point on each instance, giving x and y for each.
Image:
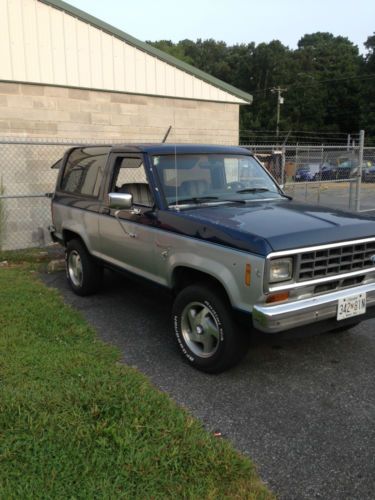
(206, 333)
(83, 274)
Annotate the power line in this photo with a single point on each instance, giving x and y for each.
(316, 83)
(371, 77)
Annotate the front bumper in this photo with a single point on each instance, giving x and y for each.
(289, 315)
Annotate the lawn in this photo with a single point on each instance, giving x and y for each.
(75, 423)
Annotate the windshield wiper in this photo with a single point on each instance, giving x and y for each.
(286, 196)
(195, 199)
(263, 190)
(253, 190)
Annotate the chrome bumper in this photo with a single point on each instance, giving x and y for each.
(288, 315)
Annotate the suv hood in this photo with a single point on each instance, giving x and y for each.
(262, 227)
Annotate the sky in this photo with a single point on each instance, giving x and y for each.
(236, 21)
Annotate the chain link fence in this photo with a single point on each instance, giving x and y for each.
(337, 176)
(25, 180)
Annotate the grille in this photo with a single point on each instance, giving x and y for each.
(334, 261)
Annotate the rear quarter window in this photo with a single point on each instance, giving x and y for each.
(84, 171)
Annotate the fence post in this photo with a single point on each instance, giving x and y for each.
(283, 176)
(359, 171)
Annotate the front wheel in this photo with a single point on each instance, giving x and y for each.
(208, 337)
(83, 274)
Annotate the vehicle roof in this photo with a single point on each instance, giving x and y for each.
(162, 149)
(310, 166)
(168, 149)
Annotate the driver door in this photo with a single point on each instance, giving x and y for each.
(127, 236)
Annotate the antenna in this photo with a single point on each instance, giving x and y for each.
(167, 134)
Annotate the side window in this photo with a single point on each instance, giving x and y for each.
(84, 171)
(130, 177)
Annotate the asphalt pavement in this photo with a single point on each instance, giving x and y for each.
(334, 194)
(302, 409)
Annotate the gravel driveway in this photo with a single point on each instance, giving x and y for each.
(303, 409)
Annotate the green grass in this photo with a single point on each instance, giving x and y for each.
(75, 423)
(28, 255)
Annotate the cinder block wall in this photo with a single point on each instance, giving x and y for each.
(45, 112)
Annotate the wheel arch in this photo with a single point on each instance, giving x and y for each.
(69, 235)
(183, 276)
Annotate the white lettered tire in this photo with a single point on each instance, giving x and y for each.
(206, 333)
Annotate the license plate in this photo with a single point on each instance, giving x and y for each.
(351, 306)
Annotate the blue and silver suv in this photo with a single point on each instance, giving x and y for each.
(209, 224)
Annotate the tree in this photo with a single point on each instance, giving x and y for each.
(333, 65)
(323, 78)
(368, 89)
(271, 64)
(174, 50)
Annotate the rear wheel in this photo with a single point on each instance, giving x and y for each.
(208, 337)
(83, 273)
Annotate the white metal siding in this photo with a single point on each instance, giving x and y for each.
(41, 44)
(83, 56)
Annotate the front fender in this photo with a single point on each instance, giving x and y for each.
(227, 267)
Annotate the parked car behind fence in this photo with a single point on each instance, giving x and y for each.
(314, 172)
(328, 171)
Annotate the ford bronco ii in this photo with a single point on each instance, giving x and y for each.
(211, 225)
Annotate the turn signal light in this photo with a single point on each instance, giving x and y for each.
(247, 275)
(277, 297)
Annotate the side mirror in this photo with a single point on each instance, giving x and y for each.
(120, 201)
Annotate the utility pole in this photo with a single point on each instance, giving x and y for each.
(280, 100)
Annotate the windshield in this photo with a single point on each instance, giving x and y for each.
(209, 178)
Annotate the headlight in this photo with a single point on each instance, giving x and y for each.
(281, 270)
